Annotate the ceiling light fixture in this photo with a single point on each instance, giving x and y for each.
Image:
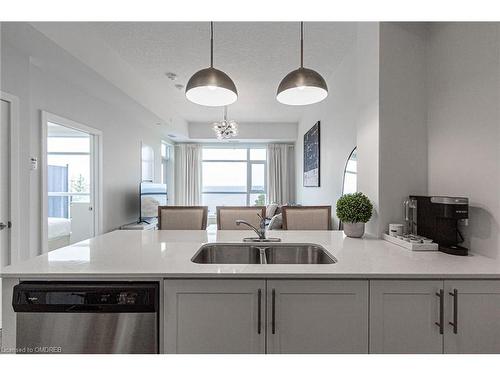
(225, 129)
(211, 87)
(302, 86)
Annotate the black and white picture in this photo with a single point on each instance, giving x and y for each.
(311, 156)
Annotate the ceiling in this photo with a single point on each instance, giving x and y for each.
(256, 55)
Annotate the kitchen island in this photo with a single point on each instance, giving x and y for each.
(377, 297)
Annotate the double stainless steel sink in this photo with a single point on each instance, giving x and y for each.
(276, 253)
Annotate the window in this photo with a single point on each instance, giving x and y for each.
(68, 169)
(233, 177)
(148, 163)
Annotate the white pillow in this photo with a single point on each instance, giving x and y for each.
(271, 209)
(276, 222)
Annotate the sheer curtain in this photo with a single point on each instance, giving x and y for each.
(280, 173)
(187, 174)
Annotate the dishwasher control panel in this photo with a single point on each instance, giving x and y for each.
(85, 297)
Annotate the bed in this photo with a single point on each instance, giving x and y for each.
(59, 232)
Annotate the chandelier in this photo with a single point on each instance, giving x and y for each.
(225, 129)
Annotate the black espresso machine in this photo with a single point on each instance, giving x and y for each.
(437, 218)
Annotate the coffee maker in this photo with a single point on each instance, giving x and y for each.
(437, 218)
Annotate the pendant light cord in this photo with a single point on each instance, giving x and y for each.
(211, 44)
(301, 44)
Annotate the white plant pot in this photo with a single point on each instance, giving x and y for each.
(355, 230)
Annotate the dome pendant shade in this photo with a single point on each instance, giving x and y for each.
(211, 87)
(302, 87)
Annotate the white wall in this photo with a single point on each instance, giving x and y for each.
(391, 119)
(45, 77)
(367, 118)
(337, 114)
(402, 118)
(247, 132)
(433, 121)
(439, 123)
(464, 124)
(349, 117)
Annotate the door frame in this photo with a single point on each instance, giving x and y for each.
(14, 254)
(96, 171)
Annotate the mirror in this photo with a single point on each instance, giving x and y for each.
(350, 180)
(350, 173)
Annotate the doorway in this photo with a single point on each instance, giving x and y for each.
(71, 182)
(9, 209)
(4, 190)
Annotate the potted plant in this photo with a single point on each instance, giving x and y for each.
(354, 210)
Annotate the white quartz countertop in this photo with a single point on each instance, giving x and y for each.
(167, 254)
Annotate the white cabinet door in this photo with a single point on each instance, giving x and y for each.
(477, 318)
(403, 316)
(317, 316)
(214, 316)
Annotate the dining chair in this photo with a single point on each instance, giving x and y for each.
(307, 217)
(227, 216)
(182, 217)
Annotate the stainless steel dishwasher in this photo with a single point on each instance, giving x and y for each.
(80, 317)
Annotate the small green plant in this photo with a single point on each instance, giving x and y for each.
(79, 185)
(354, 208)
(261, 200)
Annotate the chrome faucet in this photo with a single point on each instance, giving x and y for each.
(261, 231)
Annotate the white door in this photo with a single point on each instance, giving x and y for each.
(403, 316)
(4, 189)
(475, 310)
(317, 316)
(214, 316)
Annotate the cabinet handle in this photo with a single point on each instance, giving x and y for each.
(454, 294)
(273, 312)
(259, 312)
(440, 324)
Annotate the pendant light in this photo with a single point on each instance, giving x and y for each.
(211, 87)
(302, 86)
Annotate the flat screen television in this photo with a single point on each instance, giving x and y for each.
(151, 196)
